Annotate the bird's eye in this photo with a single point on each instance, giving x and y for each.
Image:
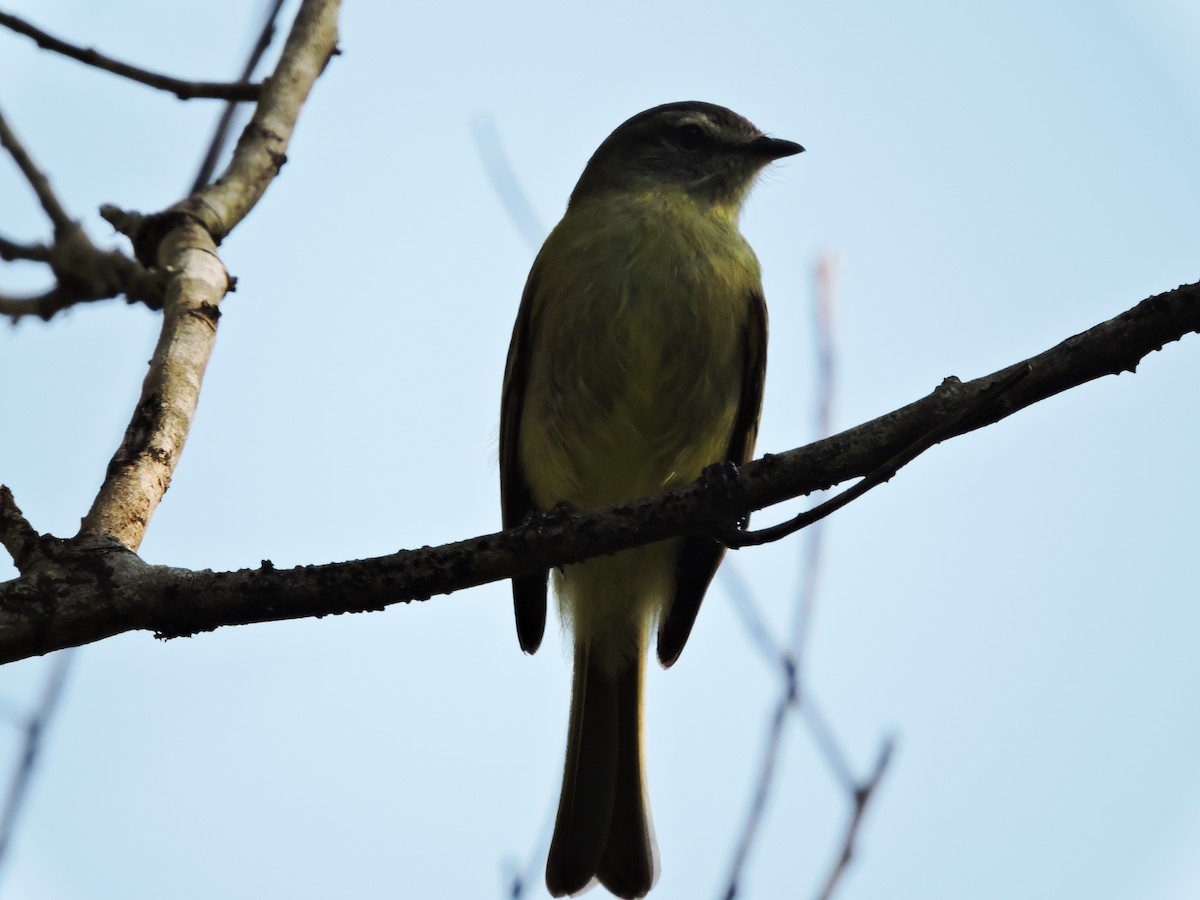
(689, 137)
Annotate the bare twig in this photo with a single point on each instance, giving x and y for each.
(11, 251)
(261, 150)
(35, 731)
(735, 539)
(85, 274)
(16, 534)
(521, 880)
(42, 305)
(739, 594)
(38, 181)
(859, 792)
(209, 164)
(824, 306)
(505, 182)
(788, 659)
(826, 743)
(862, 797)
(766, 776)
(184, 90)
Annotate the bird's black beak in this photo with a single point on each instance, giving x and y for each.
(773, 148)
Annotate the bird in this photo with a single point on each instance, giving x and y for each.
(637, 360)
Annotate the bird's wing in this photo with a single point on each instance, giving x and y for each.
(516, 499)
(700, 556)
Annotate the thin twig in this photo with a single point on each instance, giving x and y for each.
(261, 150)
(827, 744)
(824, 305)
(522, 880)
(16, 534)
(738, 539)
(504, 181)
(85, 274)
(766, 777)
(862, 797)
(11, 251)
(43, 305)
(35, 731)
(818, 726)
(184, 90)
(221, 135)
(40, 184)
(789, 659)
(740, 595)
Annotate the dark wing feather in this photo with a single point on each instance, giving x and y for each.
(700, 556)
(516, 499)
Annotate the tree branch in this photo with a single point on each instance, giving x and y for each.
(141, 469)
(11, 251)
(262, 149)
(762, 787)
(38, 181)
(184, 90)
(16, 534)
(93, 587)
(85, 274)
(34, 728)
(737, 539)
(863, 792)
(209, 164)
(43, 305)
(182, 241)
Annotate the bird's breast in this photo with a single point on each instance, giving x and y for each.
(639, 335)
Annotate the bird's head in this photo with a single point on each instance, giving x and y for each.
(706, 151)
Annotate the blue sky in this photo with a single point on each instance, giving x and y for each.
(1018, 607)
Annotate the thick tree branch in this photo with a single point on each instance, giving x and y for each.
(93, 587)
(182, 241)
(184, 90)
(140, 472)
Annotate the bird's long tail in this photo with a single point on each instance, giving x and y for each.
(603, 829)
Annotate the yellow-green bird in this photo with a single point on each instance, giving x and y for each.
(637, 360)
